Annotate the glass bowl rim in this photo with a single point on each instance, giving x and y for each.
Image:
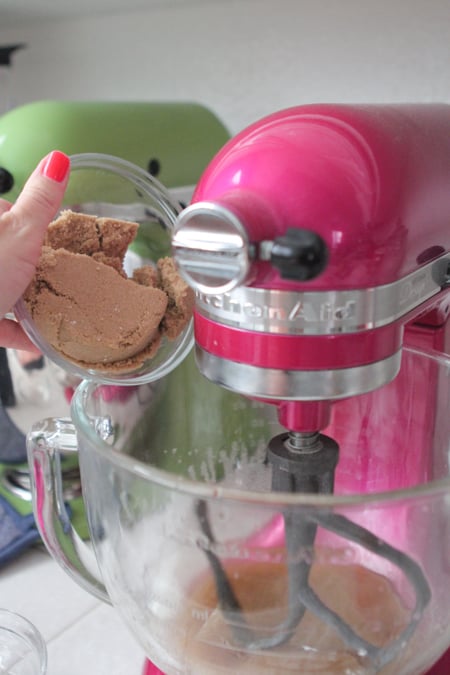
(23, 628)
(216, 491)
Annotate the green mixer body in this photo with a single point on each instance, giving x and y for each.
(173, 140)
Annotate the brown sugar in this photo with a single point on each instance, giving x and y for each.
(363, 599)
(85, 306)
(82, 233)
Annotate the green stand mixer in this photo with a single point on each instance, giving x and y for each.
(173, 141)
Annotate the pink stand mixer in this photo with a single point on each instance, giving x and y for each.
(318, 244)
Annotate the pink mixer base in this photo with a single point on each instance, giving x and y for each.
(150, 669)
(442, 667)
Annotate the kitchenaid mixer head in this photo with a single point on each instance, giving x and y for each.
(314, 238)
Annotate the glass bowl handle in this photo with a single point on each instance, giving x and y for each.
(45, 441)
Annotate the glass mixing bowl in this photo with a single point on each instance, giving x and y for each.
(191, 545)
(107, 186)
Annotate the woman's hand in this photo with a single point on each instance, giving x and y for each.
(22, 229)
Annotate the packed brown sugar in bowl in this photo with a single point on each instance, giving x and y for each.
(362, 598)
(84, 305)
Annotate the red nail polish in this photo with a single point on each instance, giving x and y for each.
(56, 166)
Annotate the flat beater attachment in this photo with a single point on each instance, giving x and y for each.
(305, 463)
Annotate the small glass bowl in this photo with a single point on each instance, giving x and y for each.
(108, 186)
(22, 647)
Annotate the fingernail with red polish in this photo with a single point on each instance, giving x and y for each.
(55, 166)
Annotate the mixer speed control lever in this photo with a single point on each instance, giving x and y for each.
(299, 254)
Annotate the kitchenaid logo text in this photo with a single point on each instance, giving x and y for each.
(326, 312)
(413, 290)
(296, 310)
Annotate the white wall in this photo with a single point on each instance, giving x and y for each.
(243, 58)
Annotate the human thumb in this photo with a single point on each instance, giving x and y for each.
(23, 226)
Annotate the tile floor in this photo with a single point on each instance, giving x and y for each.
(83, 635)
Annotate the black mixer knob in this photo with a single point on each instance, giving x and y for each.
(299, 254)
(6, 181)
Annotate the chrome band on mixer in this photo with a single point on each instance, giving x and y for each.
(324, 312)
(301, 385)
